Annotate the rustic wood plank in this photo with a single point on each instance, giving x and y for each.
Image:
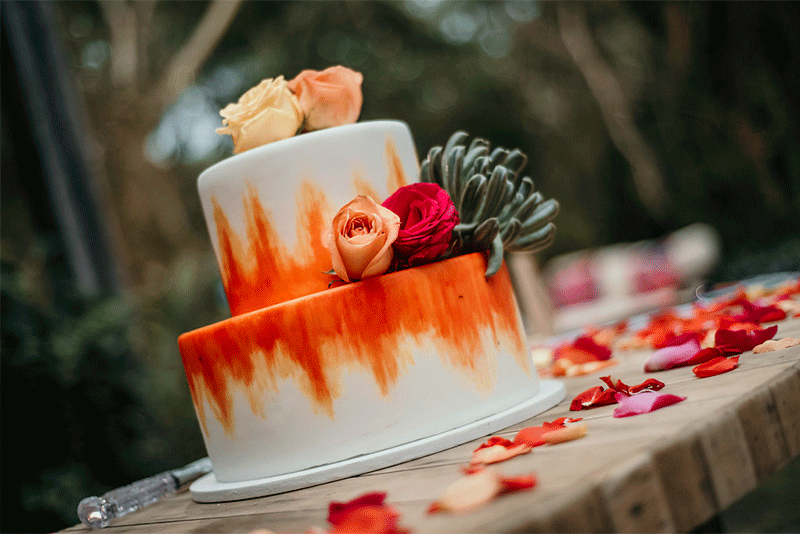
(635, 500)
(684, 476)
(761, 423)
(786, 391)
(727, 456)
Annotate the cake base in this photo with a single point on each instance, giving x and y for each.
(207, 489)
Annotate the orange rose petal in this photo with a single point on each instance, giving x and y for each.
(498, 453)
(589, 367)
(338, 511)
(468, 492)
(369, 520)
(776, 344)
(495, 440)
(568, 433)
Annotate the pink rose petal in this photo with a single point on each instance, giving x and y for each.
(644, 402)
(672, 356)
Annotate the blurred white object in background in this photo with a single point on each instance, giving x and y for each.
(606, 284)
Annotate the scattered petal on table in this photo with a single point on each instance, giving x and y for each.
(370, 520)
(754, 313)
(495, 440)
(338, 511)
(582, 350)
(533, 436)
(568, 433)
(592, 397)
(717, 366)
(517, 483)
(621, 387)
(738, 341)
(469, 492)
(497, 453)
(705, 355)
(472, 491)
(580, 369)
(644, 402)
(672, 356)
(776, 344)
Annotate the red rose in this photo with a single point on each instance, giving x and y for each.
(427, 218)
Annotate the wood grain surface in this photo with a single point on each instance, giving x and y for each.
(670, 470)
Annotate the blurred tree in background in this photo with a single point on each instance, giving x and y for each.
(640, 118)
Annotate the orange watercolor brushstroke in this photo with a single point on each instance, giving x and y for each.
(265, 273)
(366, 323)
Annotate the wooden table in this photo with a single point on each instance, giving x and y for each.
(670, 470)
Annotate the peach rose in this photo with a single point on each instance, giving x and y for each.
(265, 113)
(361, 238)
(328, 98)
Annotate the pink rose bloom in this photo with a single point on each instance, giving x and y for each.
(428, 217)
(328, 98)
(361, 238)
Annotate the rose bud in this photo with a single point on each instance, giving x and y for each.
(328, 98)
(265, 113)
(361, 238)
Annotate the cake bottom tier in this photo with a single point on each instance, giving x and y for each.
(358, 369)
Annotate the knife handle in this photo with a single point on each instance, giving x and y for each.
(97, 512)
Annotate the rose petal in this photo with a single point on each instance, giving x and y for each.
(776, 344)
(644, 402)
(496, 440)
(568, 433)
(592, 397)
(533, 436)
(369, 520)
(704, 355)
(736, 341)
(582, 350)
(754, 313)
(498, 453)
(338, 511)
(672, 356)
(469, 492)
(517, 483)
(717, 366)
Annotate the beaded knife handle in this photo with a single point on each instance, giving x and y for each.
(98, 512)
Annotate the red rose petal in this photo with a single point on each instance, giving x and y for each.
(644, 402)
(704, 355)
(717, 366)
(596, 396)
(731, 341)
(517, 483)
(650, 383)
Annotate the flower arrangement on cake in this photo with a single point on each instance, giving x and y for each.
(470, 198)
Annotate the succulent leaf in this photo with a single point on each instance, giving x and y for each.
(499, 208)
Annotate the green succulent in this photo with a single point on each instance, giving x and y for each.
(498, 208)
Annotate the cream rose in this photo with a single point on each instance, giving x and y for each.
(361, 238)
(331, 97)
(265, 113)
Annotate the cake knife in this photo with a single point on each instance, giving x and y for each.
(98, 512)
